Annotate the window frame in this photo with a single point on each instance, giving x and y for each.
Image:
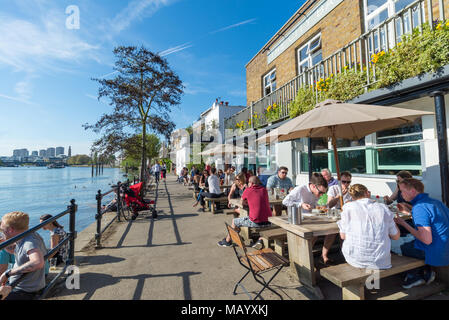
(310, 53)
(270, 84)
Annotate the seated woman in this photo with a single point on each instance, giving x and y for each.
(397, 195)
(237, 189)
(203, 186)
(367, 228)
(57, 233)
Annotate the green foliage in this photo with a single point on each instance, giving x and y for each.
(346, 85)
(305, 100)
(418, 53)
(79, 159)
(133, 147)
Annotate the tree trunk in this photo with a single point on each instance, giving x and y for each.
(143, 162)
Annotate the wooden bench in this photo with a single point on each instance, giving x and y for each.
(254, 233)
(353, 280)
(279, 239)
(211, 202)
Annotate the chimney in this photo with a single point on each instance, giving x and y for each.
(221, 102)
(226, 103)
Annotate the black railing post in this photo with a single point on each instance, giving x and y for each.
(98, 217)
(118, 200)
(72, 232)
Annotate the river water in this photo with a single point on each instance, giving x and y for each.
(38, 191)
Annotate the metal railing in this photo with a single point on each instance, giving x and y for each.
(354, 56)
(69, 238)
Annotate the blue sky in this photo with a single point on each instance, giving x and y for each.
(46, 91)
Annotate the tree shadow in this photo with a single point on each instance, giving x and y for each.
(92, 281)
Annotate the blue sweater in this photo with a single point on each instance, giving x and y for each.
(428, 212)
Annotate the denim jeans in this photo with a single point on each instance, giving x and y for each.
(405, 246)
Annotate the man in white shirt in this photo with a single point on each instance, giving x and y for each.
(156, 171)
(367, 228)
(214, 189)
(307, 197)
(333, 194)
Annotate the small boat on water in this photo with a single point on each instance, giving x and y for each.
(56, 166)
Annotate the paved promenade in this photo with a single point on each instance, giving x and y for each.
(175, 257)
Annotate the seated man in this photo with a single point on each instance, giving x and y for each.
(429, 238)
(326, 173)
(256, 198)
(307, 197)
(366, 227)
(280, 181)
(214, 189)
(29, 254)
(333, 194)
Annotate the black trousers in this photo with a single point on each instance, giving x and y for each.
(21, 295)
(209, 195)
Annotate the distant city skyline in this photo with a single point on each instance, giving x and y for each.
(40, 152)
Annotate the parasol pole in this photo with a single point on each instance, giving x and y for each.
(337, 165)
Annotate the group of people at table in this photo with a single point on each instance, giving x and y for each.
(369, 229)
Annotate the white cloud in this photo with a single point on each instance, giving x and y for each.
(175, 49)
(36, 46)
(136, 10)
(234, 26)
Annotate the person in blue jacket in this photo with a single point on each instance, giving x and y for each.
(430, 241)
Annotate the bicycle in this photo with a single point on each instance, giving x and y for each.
(124, 210)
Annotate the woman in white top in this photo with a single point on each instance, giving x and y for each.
(367, 228)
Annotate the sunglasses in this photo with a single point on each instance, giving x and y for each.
(346, 181)
(283, 172)
(320, 193)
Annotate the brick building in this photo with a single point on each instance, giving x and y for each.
(326, 38)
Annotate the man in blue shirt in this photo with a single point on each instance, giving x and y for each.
(431, 232)
(280, 180)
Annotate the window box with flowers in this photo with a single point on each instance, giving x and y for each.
(272, 112)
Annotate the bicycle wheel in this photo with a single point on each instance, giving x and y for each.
(126, 211)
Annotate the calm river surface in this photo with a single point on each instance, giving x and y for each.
(38, 191)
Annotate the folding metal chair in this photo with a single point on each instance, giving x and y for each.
(257, 263)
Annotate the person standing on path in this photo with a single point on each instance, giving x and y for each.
(156, 171)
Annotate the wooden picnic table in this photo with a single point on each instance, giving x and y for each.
(299, 240)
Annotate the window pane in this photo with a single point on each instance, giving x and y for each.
(378, 19)
(319, 143)
(373, 5)
(353, 161)
(404, 133)
(405, 156)
(317, 57)
(273, 76)
(314, 44)
(303, 67)
(344, 143)
(401, 4)
(273, 86)
(319, 161)
(303, 53)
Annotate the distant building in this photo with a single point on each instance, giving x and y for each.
(35, 153)
(69, 154)
(51, 152)
(42, 153)
(59, 150)
(20, 153)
